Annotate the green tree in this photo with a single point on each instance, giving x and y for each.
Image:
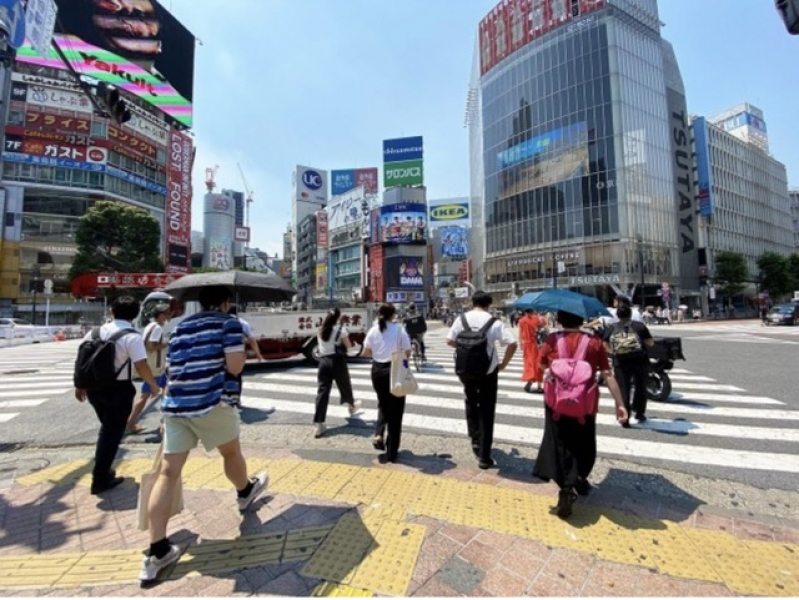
(731, 273)
(116, 237)
(776, 275)
(793, 265)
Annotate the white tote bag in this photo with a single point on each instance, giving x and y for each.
(402, 379)
(146, 488)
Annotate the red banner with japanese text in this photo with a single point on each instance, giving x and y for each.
(136, 280)
(178, 203)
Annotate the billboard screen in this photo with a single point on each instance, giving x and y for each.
(404, 223)
(407, 173)
(403, 149)
(704, 175)
(514, 23)
(311, 185)
(452, 211)
(146, 52)
(454, 241)
(404, 272)
(545, 159)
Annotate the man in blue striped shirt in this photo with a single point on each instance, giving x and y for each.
(206, 354)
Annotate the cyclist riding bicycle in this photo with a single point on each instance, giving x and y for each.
(416, 327)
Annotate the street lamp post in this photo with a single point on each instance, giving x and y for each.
(641, 268)
(35, 275)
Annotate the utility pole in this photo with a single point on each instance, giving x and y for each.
(555, 270)
(641, 268)
(35, 276)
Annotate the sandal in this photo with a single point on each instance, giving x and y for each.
(135, 430)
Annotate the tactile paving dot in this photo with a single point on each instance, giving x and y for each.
(675, 553)
(342, 551)
(363, 486)
(388, 566)
(299, 479)
(331, 481)
(337, 590)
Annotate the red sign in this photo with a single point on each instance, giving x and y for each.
(45, 120)
(127, 139)
(366, 178)
(136, 280)
(178, 214)
(512, 24)
(90, 154)
(321, 229)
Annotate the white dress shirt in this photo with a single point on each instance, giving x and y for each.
(128, 347)
(496, 335)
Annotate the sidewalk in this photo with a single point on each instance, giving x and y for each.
(337, 522)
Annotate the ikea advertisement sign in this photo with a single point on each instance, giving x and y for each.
(449, 212)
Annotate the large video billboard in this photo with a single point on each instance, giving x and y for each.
(404, 223)
(546, 159)
(454, 241)
(142, 49)
(344, 180)
(512, 24)
(404, 272)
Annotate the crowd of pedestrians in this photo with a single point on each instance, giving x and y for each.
(199, 369)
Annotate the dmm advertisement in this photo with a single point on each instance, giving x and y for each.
(704, 176)
(546, 159)
(403, 149)
(454, 241)
(404, 273)
(407, 173)
(403, 224)
(178, 206)
(146, 52)
(344, 180)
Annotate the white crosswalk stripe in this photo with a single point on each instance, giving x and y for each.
(705, 423)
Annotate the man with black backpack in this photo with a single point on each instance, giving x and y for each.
(104, 369)
(628, 340)
(475, 335)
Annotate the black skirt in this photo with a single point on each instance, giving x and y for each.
(568, 450)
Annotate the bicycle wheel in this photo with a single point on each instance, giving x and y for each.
(416, 354)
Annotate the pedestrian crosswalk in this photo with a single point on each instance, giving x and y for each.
(706, 423)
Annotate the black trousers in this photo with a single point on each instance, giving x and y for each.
(481, 407)
(113, 408)
(332, 368)
(390, 409)
(633, 373)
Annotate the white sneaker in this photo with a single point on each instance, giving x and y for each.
(152, 567)
(320, 430)
(260, 482)
(354, 408)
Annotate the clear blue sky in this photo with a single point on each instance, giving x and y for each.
(323, 82)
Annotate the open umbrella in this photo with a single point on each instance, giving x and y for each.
(247, 286)
(553, 300)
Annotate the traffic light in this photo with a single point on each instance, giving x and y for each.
(789, 11)
(111, 98)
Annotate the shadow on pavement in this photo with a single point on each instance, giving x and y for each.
(255, 415)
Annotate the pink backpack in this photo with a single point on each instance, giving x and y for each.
(570, 388)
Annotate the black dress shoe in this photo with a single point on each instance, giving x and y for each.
(486, 464)
(566, 500)
(640, 417)
(582, 487)
(107, 485)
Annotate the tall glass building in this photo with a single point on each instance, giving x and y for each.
(578, 148)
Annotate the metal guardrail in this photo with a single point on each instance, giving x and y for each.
(12, 336)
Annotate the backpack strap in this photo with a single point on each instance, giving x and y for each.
(582, 348)
(128, 363)
(562, 346)
(484, 329)
(465, 323)
(95, 333)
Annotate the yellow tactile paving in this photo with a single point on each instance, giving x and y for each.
(747, 567)
(337, 590)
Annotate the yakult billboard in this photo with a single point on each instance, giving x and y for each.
(178, 203)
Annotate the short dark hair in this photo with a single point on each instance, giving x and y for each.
(214, 296)
(569, 320)
(125, 308)
(624, 312)
(624, 300)
(482, 299)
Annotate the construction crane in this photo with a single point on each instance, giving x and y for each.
(249, 199)
(210, 175)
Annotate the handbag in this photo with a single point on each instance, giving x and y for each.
(146, 488)
(402, 380)
(339, 348)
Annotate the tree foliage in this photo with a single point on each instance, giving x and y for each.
(116, 237)
(731, 273)
(793, 266)
(776, 274)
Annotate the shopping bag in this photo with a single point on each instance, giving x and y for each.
(402, 379)
(146, 488)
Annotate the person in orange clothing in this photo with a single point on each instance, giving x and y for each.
(529, 327)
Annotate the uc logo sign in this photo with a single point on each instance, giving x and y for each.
(312, 180)
(449, 212)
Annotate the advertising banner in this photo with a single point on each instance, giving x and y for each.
(407, 173)
(178, 206)
(367, 179)
(321, 275)
(89, 154)
(146, 52)
(49, 97)
(404, 272)
(403, 149)
(454, 241)
(40, 18)
(704, 175)
(375, 231)
(242, 234)
(403, 224)
(127, 139)
(346, 209)
(453, 211)
(341, 181)
(322, 238)
(44, 120)
(221, 254)
(135, 280)
(311, 185)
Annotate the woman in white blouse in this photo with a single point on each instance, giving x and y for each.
(333, 339)
(380, 344)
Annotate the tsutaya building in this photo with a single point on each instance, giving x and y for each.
(580, 154)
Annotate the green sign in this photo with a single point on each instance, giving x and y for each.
(406, 173)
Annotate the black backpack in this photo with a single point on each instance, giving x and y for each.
(472, 360)
(94, 367)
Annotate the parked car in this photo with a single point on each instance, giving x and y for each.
(18, 328)
(784, 314)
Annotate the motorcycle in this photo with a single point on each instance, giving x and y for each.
(661, 360)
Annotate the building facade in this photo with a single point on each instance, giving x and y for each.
(743, 194)
(579, 186)
(239, 207)
(793, 195)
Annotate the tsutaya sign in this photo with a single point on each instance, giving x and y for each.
(594, 279)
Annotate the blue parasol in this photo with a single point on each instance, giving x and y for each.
(554, 300)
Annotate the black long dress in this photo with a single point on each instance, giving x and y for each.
(568, 450)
